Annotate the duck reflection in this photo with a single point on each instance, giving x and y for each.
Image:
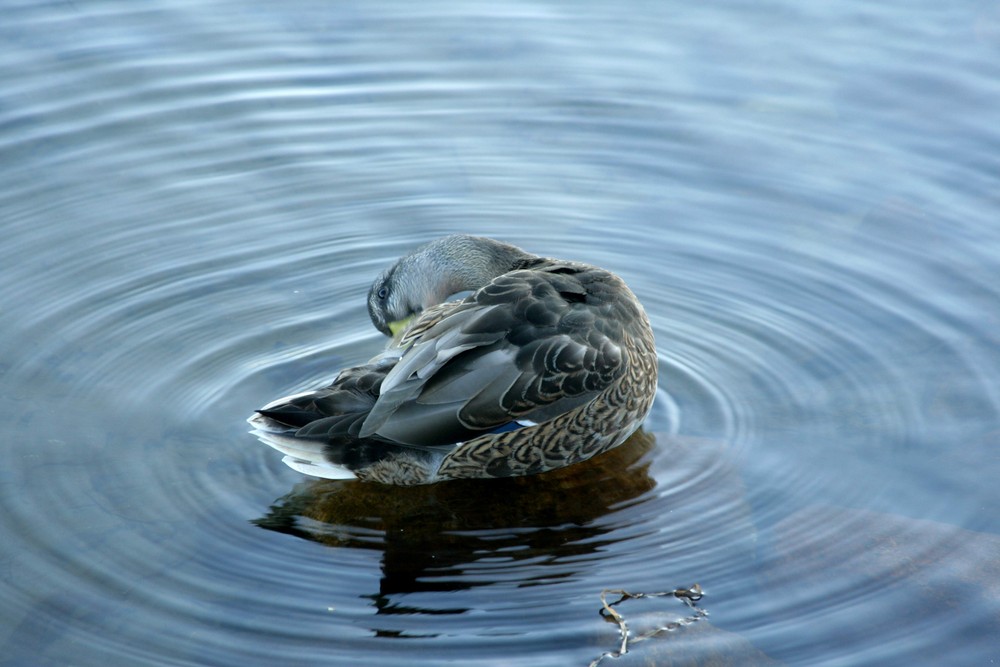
(431, 535)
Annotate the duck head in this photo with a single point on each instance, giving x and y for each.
(434, 272)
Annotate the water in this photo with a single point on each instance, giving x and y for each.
(195, 197)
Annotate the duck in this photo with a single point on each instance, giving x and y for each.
(500, 363)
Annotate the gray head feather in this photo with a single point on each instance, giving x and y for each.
(430, 274)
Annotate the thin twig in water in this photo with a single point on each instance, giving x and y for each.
(690, 597)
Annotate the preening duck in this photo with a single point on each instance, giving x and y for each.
(546, 363)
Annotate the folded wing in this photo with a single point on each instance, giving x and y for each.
(531, 345)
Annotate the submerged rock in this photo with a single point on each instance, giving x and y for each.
(922, 587)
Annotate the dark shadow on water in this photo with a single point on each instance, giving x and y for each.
(429, 535)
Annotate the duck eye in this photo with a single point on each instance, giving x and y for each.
(383, 292)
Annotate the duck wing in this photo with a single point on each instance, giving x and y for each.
(530, 345)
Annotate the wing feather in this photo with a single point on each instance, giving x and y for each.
(531, 344)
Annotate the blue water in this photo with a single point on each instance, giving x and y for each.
(195, 196)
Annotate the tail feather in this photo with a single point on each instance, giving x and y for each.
(335, 411)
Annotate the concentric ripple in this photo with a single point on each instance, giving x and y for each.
(195, 198)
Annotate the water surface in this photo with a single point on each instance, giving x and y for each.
(195, 196)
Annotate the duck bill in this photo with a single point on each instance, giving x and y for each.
(399, 325)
